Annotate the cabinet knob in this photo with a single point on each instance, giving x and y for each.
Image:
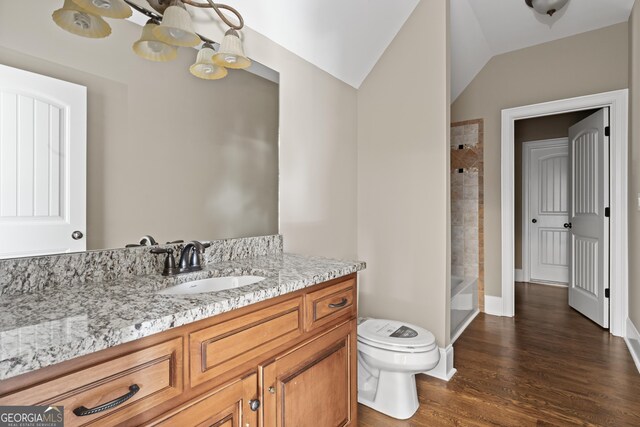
(254, 404)
(77, 235)
(272, 390)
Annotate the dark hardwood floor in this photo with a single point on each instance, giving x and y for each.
(548, 366)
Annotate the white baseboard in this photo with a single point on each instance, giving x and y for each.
(493, 305)
(518, 275)
(444, 370)
(632, 338)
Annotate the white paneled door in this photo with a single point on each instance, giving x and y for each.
(588, 204)
(547, 192)
(42, 164)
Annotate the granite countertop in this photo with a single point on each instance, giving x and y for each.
(43, 328)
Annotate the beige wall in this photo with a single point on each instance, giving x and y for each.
(167, 154)
(318, 131)
(317, 155)
(584, 64)
(634, 168)
(536, 129)
(403, 173)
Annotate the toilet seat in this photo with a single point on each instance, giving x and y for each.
(395, 336)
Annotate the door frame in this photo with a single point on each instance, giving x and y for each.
(526, 218)
(618, 103)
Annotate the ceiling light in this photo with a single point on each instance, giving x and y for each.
(167, 29)
(176, 27)
(546, 7)
(149, 47)
(117, 9)
(231, 54)
(80, 22)
(204, 66)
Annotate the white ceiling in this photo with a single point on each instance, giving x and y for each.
(481, 29)
(344, 38)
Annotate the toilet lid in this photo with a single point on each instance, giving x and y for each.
(393, 334)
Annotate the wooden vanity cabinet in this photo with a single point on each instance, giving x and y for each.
(287, 361)
(314, 384)
(228, 406)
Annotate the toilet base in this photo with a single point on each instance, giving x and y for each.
(395, 395)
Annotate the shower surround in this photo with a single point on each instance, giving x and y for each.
(467, 204)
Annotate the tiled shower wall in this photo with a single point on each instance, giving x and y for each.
(467, 202)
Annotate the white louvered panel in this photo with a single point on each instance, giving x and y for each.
(31, 157)
(41, 159)
(553, 185)
(586, 173)
(42, 164)
(56, 161)
(8, 154)
(553, 247)
(586, 265)
(25, 156)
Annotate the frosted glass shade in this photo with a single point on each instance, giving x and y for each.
(231, 53)
(149, 47)
(74, 19)
(117, 9)
(205, 68)
(176, 28)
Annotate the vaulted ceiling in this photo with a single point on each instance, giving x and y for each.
(346, 38)
(481, 29)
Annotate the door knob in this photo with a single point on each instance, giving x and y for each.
(568, 225)
(77, 235)
(534, 220)
(254, 404)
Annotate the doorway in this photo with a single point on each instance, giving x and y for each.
(617, 102)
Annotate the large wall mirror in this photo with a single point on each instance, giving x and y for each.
(167, 154)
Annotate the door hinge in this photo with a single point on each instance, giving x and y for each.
(607, 131)
(607, 293)
(607, 212)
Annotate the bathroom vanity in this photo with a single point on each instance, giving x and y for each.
(278, 352)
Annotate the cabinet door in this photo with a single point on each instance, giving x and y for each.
(315, 384)
(229, 406)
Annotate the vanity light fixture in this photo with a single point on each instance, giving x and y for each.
(176, 28)
(204, 67)
(171, 27)
(151, 48)
(546, 7)
(80, 22)
(117, 9)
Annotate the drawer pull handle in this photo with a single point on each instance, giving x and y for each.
(82, 411)
(342, 303)
(254, 404)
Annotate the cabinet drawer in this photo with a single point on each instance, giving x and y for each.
(331, 303)
(220, 348)
(150, 377)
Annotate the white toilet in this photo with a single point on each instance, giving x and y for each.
(390, 354)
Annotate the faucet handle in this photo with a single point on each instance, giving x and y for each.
(169, 261)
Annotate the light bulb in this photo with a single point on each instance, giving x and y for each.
(156, 47)
(177, 33)
(230, 59)
(102, 4)
(82, 20)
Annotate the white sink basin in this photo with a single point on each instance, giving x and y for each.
(213, 284)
